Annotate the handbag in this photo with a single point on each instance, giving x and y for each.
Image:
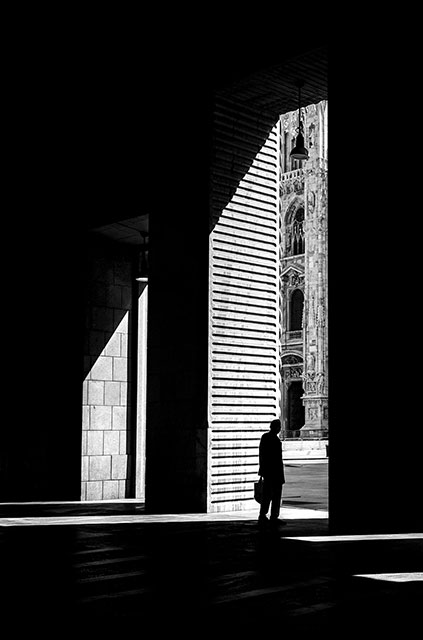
(258, 490)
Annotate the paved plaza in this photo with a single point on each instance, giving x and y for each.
(87, 567)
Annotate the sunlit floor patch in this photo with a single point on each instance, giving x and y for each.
(393, 577)
(355, 538)
(143, 518)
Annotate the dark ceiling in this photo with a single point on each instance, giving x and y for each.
(274, 88)
(134, 128)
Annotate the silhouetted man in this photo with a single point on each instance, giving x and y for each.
(271, 469)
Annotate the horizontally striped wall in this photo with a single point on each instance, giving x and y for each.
(244, 383)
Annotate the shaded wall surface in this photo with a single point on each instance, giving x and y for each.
(70, 363)
(107, 401)
(41, 442)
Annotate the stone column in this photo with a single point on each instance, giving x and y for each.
(315, 397)
(177, 361)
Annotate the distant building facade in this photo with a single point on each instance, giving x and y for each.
(303, 206)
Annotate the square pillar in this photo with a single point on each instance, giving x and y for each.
(177, 362)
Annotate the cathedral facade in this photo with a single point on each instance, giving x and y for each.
(303, 208)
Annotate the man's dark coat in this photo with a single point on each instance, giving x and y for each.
(270, 457)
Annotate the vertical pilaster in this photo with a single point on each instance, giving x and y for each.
(141, 391)
(315, 397)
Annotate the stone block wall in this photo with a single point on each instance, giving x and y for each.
(106, 386)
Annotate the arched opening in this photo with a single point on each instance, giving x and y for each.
(294, 227)
(296, 412)
(298, 240)
(296, 310)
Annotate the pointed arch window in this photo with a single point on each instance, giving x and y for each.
(297, 233)
(296, 310)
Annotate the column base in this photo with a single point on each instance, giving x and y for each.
(316, 417)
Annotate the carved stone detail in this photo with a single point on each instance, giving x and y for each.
(314, 382)
(292, 373)
(291, 359)
(293, 186)
(292, 280)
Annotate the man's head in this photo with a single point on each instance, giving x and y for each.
(275, 425)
